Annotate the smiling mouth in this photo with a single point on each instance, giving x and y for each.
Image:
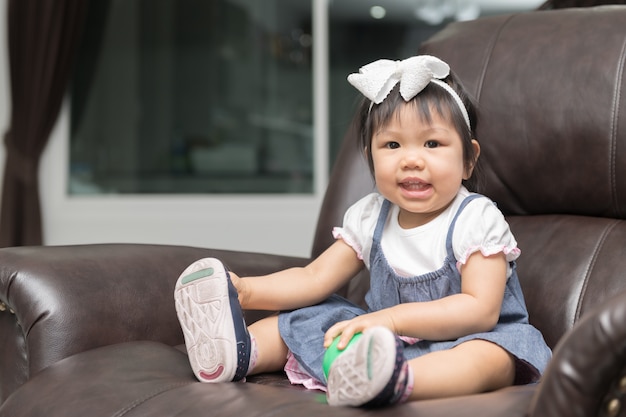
(414, 185)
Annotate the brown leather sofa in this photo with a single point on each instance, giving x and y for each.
(91, 330)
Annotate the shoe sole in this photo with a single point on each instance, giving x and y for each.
(204, 305)
(359, 374)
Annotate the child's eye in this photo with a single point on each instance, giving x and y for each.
(431, 144)
(392, 145)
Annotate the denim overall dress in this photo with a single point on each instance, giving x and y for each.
(303, 330)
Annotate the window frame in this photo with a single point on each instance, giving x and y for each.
(225, 221)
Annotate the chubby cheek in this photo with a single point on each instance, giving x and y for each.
(384, 177)
(382, 169)
(385, 161)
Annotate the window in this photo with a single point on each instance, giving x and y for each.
(193, 96)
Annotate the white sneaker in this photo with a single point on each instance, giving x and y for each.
(366, 374)
(216, 335)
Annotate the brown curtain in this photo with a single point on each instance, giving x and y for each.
(42, 37)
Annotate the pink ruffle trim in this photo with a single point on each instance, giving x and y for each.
(339, 234)
(510, 253)
(299, 376)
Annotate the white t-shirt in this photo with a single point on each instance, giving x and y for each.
(411, 252)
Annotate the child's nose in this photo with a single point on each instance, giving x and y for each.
(412, 160)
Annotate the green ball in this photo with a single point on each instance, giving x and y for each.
(332, 352)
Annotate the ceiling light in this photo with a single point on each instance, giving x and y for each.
(378, 12)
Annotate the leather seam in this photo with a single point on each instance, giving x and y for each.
(150, 396)
(590, 267)
(488, 55)
(617, 93)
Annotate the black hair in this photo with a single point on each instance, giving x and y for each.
(371, 117)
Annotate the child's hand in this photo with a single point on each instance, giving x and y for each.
(348, 328)
(336, 330)
(240, 286)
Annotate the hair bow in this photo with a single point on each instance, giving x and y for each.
(376, 80)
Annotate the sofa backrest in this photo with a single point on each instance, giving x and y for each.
(551, 92)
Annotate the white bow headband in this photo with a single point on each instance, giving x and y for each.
(376, 80)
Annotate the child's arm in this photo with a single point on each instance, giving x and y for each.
(300, 287)
(476, 309)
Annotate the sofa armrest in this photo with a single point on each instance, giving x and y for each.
(60, 300)
(587, 374)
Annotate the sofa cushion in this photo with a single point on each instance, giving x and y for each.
(153, 379)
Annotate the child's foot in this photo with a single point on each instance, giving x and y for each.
(368, 373)
(216, 336)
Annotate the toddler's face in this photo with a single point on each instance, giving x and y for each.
(418, 165)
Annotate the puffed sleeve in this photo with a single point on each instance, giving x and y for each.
(482, 227)
(359, 223)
